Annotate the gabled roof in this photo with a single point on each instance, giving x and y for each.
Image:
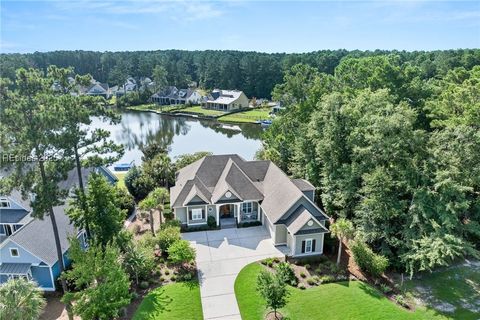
(303, 184)
(36, 236)
(212, 176)
(224, 96)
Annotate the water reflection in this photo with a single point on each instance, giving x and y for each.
(181, 135)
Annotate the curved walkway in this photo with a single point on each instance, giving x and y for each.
(221, 254)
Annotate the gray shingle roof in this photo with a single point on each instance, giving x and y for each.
(213, 176)
(303, 184)
(37, 235)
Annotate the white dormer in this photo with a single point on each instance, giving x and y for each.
(4, 202)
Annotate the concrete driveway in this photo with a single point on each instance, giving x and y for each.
(221, 254)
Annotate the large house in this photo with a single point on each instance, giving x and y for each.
(229, 188)
(99, 89)
(27, 244)
(226, 100)
(171, 95)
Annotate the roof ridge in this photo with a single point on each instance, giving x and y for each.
(248, 178)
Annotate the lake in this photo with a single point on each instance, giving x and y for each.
(181, 135)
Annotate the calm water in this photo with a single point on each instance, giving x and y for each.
(181, 135)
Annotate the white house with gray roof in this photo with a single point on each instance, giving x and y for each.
(229, 188)
(226, 100)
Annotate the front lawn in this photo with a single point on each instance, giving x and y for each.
(156, 107)
(454, 291)
(121, 178)
(249, 116)
(173, 301)
(204, 112)
(341, 300)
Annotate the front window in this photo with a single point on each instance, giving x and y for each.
(308, 245)
(247, 207)
(196, 214)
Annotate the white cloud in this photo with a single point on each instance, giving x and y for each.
(176, 10)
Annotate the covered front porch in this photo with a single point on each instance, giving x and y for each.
(237, 212)
(15, 270)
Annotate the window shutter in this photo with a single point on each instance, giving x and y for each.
(303, 246)
(203, 213)
(313, 245)
(189, 214)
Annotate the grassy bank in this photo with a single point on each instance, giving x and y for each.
(249, 116)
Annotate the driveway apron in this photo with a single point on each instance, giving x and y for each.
(221, 254)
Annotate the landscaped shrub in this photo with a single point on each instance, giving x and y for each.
(173, 278)
(171, 223)
(138, 184)
(143, 285)
(137, 228)
(385, 289)
(166, 272)
(327, 279)
(303, 275)
(267, 262)
(134, 295)
(311, 281)
(367, 260)
(276, 260)
(285, 272)
(307, 266)
(318, 271)
(181, 252)
(167, 236)
(401, 301)
(249, 224)
(125, 201)
(187, 276)
(211, 222)
(162, 279)
(301, 286)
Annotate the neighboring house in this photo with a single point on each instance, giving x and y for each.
(27, 245)
(130, 85)
(99, 89)
(226, 100)
(227, 187)
(171, 95)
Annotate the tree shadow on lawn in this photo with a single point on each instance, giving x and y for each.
(157, 303)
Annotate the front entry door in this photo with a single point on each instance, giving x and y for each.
(226, 211)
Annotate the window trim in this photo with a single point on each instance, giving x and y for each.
(244, 207)
(11, 253)
(195, 212)
(306, 245)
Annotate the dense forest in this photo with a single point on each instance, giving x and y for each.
(391, 140)
(254, 73)
(392, 145)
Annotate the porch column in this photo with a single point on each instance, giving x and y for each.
(239, 213)
(217, 209)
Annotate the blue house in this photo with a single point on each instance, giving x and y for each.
(27, 245)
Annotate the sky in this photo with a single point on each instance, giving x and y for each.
(265, 26)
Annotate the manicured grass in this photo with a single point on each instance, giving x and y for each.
(156, 107)
(342, 301)
(121, 178)
(205, 112)
(173, 301)
(247, 116)
(455, 288)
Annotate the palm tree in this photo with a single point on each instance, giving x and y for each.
(154, 201)
(343, 230)
(21, 299)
